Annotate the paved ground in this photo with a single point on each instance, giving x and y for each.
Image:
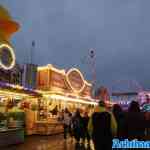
(55, 142)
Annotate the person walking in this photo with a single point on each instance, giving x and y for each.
(147, 117)
(71, 126)
(78, 128)
(135, 122)
(85, 126)
(102, 127)
(66, 122)
(120, 118)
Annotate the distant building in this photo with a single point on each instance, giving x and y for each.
(13, 76)
(23, 75)
(102, 93)
(29, 76)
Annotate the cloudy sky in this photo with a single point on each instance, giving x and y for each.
(65, 30)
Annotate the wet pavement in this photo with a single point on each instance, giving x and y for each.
(55, 142)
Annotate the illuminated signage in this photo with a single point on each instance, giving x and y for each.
(7, 57)
(57, 80)
(72, 81)
(146, 107)
(75, 80)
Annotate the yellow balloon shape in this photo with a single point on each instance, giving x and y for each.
(7, 25)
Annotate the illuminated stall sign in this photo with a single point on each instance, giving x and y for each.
(146, 107)
(75, 80)
(43, 79)
(7, 57)
(87, 91)
(70, 82)
(57, 80)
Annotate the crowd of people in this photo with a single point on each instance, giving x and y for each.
(105, 124)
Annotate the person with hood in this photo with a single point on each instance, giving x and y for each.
(85, 124)
(78, 127)
(102, 127)
(120, 118)
(66, 122)
(135, 122)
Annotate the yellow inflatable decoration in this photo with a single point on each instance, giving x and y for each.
(7, 28)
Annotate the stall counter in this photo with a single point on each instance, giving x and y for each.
(48, 128)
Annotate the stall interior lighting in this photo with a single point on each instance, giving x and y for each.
(59, 97)
(48, 93)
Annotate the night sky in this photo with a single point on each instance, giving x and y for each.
(65, 30)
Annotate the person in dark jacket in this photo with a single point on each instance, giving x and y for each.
(85, 125)
(70, 126)
(78, 128)
(102, 126)
(120, 118)
(135, 122)
(147, 117)
(66, 122)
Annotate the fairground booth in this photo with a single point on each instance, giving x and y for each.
(18, 101)
(60, 89)
(16, 112)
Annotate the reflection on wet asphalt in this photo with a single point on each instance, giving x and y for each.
(55, 142)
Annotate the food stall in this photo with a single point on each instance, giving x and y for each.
(13, 117)
(60, 89)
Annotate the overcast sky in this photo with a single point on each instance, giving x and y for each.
(65, 30)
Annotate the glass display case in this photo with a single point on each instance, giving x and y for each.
(47, 117)
(12, 121)
(3, 121)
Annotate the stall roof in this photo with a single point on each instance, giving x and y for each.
(18, 89)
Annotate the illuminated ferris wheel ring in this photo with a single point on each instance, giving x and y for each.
(7, 57)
